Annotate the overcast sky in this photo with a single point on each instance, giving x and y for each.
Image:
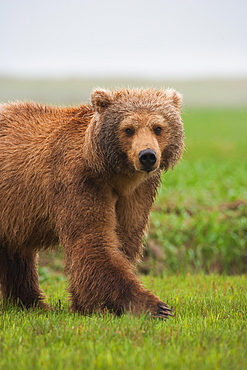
(134, 38)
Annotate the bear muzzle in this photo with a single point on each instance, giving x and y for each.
(147, 158)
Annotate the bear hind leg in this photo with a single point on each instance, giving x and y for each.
(19, 279)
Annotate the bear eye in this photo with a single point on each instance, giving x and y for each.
(129, 132)
(157, 130)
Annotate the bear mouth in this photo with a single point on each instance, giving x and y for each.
(148, 169)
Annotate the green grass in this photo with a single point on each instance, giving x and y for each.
(208, 331)
(218, 134)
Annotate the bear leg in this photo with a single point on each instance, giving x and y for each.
(19, 279)
(103, 278)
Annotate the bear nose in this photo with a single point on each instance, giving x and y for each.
(148, 158)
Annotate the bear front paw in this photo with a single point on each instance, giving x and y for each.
(152, 306)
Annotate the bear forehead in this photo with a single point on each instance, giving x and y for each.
(143, 119)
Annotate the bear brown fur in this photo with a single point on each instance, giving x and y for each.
(85, 177)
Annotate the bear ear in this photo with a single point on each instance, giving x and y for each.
(101, 99)
(175, 98)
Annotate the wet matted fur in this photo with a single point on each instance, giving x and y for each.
(85, 177)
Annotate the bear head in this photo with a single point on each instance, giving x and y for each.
(135, 130)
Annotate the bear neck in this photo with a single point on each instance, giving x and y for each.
(124, 184)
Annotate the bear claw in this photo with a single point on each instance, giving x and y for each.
(164, 312)
(163, 306)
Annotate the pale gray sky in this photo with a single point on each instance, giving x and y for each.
(134, 38)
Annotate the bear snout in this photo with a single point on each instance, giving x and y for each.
(147, 158)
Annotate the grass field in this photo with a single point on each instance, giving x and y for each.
(197, 260)
(208, 332)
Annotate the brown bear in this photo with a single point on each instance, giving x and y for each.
(85, 177)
